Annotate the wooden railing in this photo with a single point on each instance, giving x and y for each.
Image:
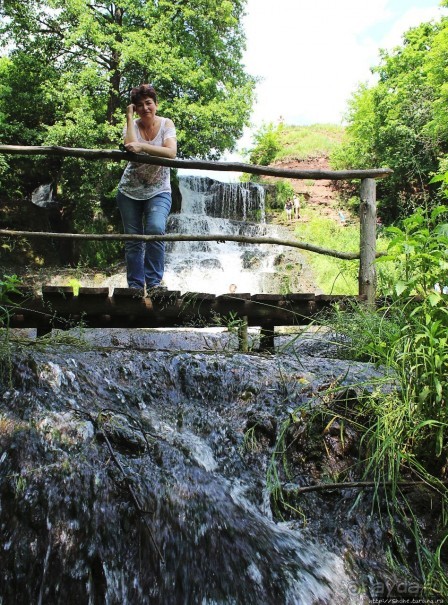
(368, 219)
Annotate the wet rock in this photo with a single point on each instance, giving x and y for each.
(117, 429)
(251, 260)
(131, 481)
(262, 425)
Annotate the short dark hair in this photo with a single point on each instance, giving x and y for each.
(142, 91)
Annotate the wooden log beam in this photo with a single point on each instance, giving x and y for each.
(58, 307)
(118, 156)
(181, 237)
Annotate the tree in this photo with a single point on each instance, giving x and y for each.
(266, 145)
(398, 122)
(284, 191)
(69, 66)
(97, 51)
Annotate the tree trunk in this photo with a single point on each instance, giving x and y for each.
(115, 73)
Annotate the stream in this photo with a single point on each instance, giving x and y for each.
(133, 476)
(153, 467)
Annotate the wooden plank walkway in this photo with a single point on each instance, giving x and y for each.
(58, 307)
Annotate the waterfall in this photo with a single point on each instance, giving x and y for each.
(43, 196)
(210, 206)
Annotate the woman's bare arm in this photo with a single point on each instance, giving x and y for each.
(167, 150)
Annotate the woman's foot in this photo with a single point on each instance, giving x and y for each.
(154, 290)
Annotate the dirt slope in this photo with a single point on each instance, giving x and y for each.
(322, 195)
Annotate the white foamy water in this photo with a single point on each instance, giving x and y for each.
(212, 207)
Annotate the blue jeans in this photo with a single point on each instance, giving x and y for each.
(145, 261)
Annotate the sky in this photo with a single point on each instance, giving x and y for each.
(311, 54)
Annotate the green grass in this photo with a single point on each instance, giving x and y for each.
(332, 275)
(402, 423)
(406, 433)
(302, 142)
(405, 427)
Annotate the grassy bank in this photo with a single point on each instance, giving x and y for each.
(402, 422)
(303, 142)
(332, 275)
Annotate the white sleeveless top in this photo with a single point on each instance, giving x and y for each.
(143, 181)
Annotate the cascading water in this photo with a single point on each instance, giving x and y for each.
(137, 477)
(212, 207)
(126, 479)
(43, 196)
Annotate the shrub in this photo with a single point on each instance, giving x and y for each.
(266, 145)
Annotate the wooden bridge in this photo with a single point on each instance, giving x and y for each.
(57, 307)
(367, 212)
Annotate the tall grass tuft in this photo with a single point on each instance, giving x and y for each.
(8, 286)
(402, 422)
(406, 432)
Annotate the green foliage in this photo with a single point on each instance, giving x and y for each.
(419, 250)
(404, 423)
(278, 466)
(411, 333)
(232, 321)
(67, 77)
(88, 57)
(266, 145)
(3, 167)
(284, 191)
(401, 122)
(303, 142)
(75, 284)
(8, 286)
(356, 149)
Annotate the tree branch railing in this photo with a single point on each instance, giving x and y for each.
(180, 237)
(366, 255)
(120, 156)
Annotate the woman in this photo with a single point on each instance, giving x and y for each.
(144, 192)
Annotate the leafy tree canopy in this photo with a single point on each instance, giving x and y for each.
(266, 145)
(66, 71)
(70, 58)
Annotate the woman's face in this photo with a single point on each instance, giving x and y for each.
(146, 107)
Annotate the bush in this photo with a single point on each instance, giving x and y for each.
(283, 191)
(405, 422)
(267, 144)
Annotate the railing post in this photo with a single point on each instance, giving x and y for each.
(243, 339)
(367, 240)
(267, 343)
